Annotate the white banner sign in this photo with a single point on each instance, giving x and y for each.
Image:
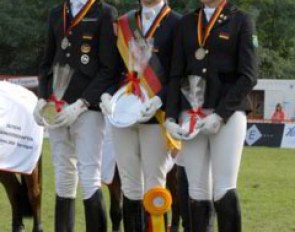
(288, 140)
(20, 137)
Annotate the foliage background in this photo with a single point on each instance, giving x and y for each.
(23, 32)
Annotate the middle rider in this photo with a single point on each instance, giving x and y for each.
(141, 151)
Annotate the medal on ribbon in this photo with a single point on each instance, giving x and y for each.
(67, 31)
(203, 36)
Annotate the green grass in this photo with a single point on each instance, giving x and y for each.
(266, 187)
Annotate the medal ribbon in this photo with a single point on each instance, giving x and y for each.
(58, 103)
(193, 120)
(77, 19)
(163, 13)
(203, 37)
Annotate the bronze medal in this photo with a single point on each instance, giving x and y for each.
(65, 43)
(200, 53)
(85, 59)
(85, 48)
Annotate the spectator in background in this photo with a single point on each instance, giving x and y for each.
(278, 116)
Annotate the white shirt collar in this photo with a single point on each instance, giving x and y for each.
(209, 12)
(76, 2)
(156, 9)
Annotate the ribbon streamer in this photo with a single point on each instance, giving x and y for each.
(194, 113)
(157, 201)
(134, 84)
(58, 103)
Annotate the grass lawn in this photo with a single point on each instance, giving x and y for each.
(266, 187)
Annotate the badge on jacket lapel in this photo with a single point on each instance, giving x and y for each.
(89, 19)
(85, 48)
(87, 37)
(85, 59)
(224, 35)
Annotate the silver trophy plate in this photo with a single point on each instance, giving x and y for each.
(126, 108)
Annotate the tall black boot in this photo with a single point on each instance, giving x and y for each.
(95, 213)
(133, 215)
(201, 213)
(229, 213)
(64, 214)
(184, 200)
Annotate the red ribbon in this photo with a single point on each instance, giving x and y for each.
(194, 113)
(134, 83)
(58, 103)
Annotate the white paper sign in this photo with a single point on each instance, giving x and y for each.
(288, 140)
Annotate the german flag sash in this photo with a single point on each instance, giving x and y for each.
(129, 27)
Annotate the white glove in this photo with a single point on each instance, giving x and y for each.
(174, 129)
(150, 108)
(211, 124)
(37, 111)
(70, 113)
(105, 105)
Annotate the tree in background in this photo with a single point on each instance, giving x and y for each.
(23, 32)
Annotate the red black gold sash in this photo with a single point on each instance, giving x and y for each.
(204, 35)
(129, 25)
(77, 18)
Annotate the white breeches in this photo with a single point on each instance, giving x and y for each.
(76, 154)
(141, 156)
(212, 161)
(108, 165)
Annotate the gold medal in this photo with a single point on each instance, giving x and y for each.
(200, 53)
(85, 48)
(65, 43)
(85, 59)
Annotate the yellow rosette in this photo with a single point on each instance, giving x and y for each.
(157, 201)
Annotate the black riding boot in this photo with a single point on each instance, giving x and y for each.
(95, 213)
(201, 214)
(133, 215)
(228, 212)
(184, 200)
(116, 215)
(64, 214)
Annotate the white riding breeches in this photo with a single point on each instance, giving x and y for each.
(212, 161)
(108, 165)
(76, 154)
(141, 157)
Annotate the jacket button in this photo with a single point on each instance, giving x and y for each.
(206, 51)
(68, 55)
(204, 70)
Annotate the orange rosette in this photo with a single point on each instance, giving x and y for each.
(157, 201)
